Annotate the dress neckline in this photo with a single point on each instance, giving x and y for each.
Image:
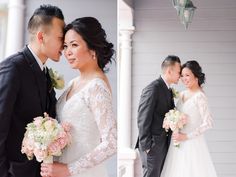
(83, 88)
(190, 98)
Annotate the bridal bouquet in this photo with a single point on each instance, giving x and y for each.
(45, 138)
(174, 120)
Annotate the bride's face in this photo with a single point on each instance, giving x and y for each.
(188, 78)
(76, 51)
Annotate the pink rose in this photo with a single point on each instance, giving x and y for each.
(54, 148)
(38, 121)
(40, 154)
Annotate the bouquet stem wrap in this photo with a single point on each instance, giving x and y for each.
(48, 159)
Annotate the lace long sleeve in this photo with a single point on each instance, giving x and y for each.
(205, 115)
(100, 103)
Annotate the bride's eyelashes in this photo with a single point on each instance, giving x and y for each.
(74, 45)
(64, 46)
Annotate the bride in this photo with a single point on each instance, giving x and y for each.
(86, 104)
(192, 158)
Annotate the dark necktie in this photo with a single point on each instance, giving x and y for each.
(48, 78)
(172, 97)
(171, 93)
(49, 88)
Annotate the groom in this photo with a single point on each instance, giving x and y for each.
(26, 91)
(156, 100)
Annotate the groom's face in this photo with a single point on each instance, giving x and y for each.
(175, 73)
(53, 39)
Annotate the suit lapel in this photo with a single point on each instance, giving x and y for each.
(38, 75)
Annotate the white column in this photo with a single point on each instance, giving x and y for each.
(15, 27)
(126, 155)
(3, 28)
(124, 95)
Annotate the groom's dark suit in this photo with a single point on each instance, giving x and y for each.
(24, 94)
(156, 100)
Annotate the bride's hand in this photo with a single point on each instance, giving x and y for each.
(179, 137)
(54, 170)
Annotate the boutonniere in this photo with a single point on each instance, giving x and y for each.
(57, 79)
(175, 93)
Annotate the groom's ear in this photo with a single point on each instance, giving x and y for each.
(168, 70)
(40, 37)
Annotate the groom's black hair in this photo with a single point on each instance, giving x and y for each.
(43, 16)
(170, 60)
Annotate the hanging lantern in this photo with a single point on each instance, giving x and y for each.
(186, 13)
(179, 4)
(185, 10)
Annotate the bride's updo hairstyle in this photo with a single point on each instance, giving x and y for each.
(94, 35)
(196, 70)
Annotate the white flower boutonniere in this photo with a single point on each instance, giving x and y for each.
(57, 79)
(175, 93)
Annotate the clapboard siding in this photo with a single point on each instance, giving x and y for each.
(185, 47)
(202, 57)
(194, 36)
(166, 26)
(154, 4)
(73, 9)
(225, 135)
(201, 14)
(211, 40)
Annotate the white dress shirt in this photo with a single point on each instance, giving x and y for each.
(41, 65)
(168, 86)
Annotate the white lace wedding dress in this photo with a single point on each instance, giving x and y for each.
(93, 128)
(191, 158)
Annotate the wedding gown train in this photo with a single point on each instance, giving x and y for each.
(93, 128)
(191, 158)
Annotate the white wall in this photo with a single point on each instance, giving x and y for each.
(129, 2)
(105, 12)
(211, 40)
(3, 26)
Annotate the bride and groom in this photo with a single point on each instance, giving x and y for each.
(159, 156)
(26, 92)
